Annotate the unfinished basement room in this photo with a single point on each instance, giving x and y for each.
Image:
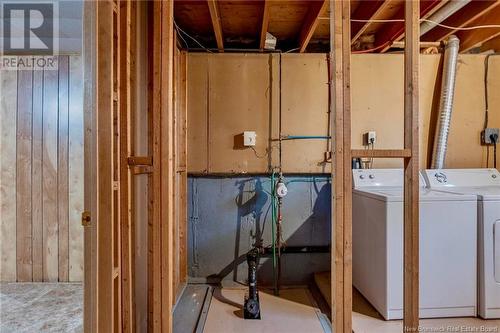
(260, 166)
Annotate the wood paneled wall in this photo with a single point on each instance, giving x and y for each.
(231, 93)
(41, 183)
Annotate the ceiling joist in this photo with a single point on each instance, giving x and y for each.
(310, 23)
(390, 32)
(216, 23)
(462, 18)
(265, 24)
(472, 38)
(369, 11)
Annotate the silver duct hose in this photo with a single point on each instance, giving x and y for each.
(442, 14)
(446, 102)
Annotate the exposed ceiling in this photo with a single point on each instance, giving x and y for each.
(303, 25)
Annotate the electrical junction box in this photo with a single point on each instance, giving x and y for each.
(486, 136)
(249, 138)
(369, 138)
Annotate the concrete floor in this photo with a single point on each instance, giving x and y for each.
(41, 307)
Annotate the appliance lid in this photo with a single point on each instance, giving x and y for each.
(380, 178)
(395, 194)
(450, 178)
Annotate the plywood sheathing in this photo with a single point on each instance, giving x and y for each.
(377, 104)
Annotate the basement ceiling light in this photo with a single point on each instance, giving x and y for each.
(270, 43)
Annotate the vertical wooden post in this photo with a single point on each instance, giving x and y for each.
(340, 54)
(411, 178)
(160, 263)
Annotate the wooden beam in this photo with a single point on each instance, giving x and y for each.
(381, 153)
(126, 90)
(437, 5)
(213, 7)
(472, 38)
(391, 32)
(368, 11)
(411, 169)
(310, 23)
(265, 23)
(341, 265)
(492, 44)
(140, 160)
(462, 18)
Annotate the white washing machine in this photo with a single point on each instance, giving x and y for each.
(485, 184)
(448, 257)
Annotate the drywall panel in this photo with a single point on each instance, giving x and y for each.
(304, 112)
(198, 84)
(239, 100)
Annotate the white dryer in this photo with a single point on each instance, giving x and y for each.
(448, 257)
(485, 184)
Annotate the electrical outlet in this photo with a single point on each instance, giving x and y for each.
(249, 138)
(369, 138)
(486, 136)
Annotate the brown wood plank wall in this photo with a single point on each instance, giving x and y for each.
(42, 172)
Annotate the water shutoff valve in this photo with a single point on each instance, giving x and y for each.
(281, 190)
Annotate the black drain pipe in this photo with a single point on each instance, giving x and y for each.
(251, 309)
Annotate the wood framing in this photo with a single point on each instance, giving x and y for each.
(370, 10)
(472, 11)
(160, 262)
(265, 23)
(411, 168)
(340, 56)
(310, 23)
(213, 7)
(472, 38)
(340, 43)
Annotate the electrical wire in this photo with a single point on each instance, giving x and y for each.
(192, 38)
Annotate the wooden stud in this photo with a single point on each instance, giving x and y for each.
(265, 23)
(105, 292)
(167, 163)
(125, 182)
(411, 168)
(340, 41)
(425, 15)
(213, 7)
(154, 240)
(310, 23)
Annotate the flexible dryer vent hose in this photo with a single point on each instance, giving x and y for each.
(446, 102)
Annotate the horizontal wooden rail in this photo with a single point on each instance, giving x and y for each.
(381, 153)
(140, 160)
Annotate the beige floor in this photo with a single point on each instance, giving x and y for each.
(292, 312)
(41, 307)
